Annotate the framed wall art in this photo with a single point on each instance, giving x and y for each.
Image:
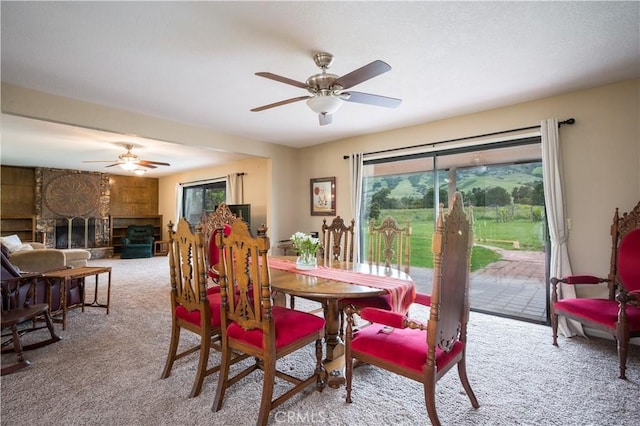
(323, 196)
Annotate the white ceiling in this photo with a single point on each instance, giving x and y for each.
(194, 62)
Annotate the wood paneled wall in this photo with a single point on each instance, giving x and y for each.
(129, 195)
(18, 188)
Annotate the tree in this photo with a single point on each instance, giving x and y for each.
(497, 196)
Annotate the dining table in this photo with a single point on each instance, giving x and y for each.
(332, 281)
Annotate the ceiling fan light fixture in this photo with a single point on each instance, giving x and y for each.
(324, 104)
(139, 172)
(129, 166)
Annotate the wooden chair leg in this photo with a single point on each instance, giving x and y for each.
(462, 373)
(205, 348)
(17, 348)
(430, 398)
(267, 391)
(554, 328)
(173, 350)
(223, 379)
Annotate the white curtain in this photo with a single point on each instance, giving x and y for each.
(179, 187)
(554, 200)
(355, 185)
(235, 188)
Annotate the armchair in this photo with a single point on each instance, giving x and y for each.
(138, 243)
(619, 313)
(411, 348)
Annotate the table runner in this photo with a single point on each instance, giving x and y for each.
(403, 292)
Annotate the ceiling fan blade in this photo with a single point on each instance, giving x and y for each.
(146, 164)
(364, 73)
(286, 101)
(325, 119)
(282, 79)
(114, 164)
(368, 98)
(157, 163)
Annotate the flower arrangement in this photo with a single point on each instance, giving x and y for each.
(307, 247)
(306, 243)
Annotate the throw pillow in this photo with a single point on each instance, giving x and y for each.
(25, 247)
(12, 242)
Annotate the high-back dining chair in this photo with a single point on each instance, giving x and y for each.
(619, 313)
(192, 308)
(251, 325)
(390, 244)
(411, 348)
(337, 240)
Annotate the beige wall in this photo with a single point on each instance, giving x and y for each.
(255, 187)
(601, 157)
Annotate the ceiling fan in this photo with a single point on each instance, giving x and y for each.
(131, 162)
(328, 91)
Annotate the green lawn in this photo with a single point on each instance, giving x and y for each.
(488, 231)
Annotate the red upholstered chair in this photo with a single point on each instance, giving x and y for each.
(413, 349)
(618, 314)
(192, 308)
(251, 325)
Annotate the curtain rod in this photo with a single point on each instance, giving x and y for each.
(560, 123)
(210, 179)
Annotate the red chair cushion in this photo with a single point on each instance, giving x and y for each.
(601, 311)
(629, 261)
(290, 326)
(194, 316)
(405, 347)
(214, 251)
(582, 279)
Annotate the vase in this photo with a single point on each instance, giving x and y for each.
(306, 260)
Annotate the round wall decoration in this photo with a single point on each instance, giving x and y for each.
(73, 195)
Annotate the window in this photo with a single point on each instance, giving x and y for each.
(202, 198)
(501, 184)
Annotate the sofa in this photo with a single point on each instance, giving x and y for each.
(35, 257)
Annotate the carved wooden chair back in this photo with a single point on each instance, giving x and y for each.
(337, 240)
(390, 244)
(210, 224)
(252, 326)
(621, 226)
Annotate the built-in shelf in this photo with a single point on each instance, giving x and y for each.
(22, 226)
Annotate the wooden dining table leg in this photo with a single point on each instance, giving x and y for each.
(335, 347)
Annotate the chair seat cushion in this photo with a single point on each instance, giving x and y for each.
(382, 302)
(290, 326)
(601, 311)
(402, 346)
(194, 316)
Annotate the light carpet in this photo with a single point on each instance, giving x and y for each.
(106, 371)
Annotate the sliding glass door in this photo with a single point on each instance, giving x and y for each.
(501, 186)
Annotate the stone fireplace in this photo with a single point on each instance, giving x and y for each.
(72, 210)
